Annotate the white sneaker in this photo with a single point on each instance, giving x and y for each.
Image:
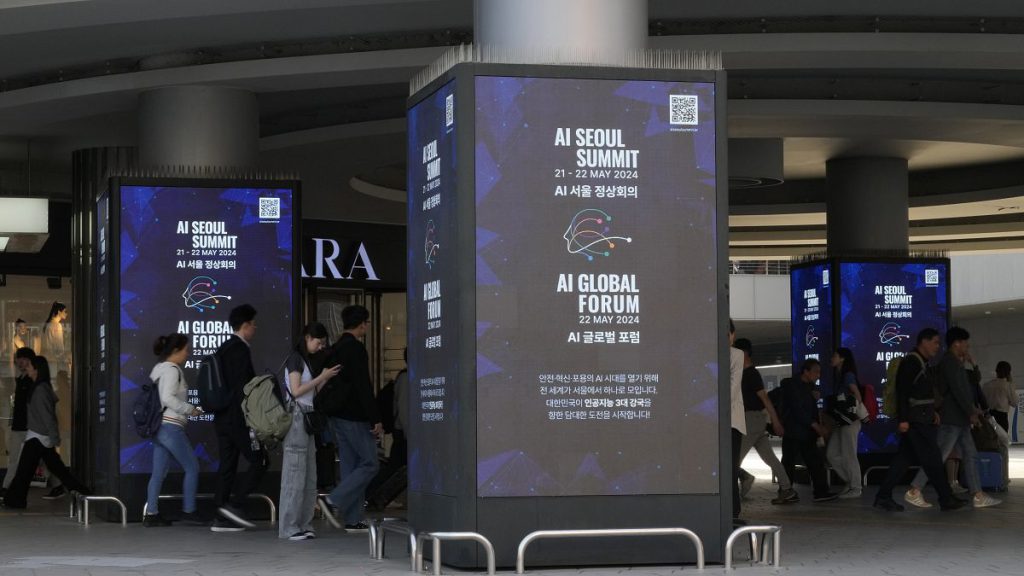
(850, 494)
(982, 500)
(958, 489)
(916, 498)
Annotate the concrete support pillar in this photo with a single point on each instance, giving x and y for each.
(599, 31)
(207, 126)
(867, 205)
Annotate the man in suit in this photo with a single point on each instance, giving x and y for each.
(234, 438)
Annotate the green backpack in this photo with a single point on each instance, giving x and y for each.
(889, 399)
(265, 412)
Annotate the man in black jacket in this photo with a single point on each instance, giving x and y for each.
(357, 424)
(233, 436)
(19, 412)
(917, 425)
(802, 428)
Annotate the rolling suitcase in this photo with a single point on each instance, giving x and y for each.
(990, 469)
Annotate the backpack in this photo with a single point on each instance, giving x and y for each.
(147, 411)
(890, 400)
(214, 392)
(780, 407)
(264, 411)
(386, 406)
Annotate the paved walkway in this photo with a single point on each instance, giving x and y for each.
(840, 538)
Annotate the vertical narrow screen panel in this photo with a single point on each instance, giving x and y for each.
(433, 294)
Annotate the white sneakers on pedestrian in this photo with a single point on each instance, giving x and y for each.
(982, 500)
(851, 494)
(916, 498)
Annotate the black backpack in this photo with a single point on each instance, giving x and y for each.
(147, 411)
(776, 398)
(214, 393)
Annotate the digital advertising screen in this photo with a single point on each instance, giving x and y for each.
(187, 256)
(811, 316)
(883, 305)
(432, 292)
(596, 270)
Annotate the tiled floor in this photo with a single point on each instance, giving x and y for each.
(844, 537)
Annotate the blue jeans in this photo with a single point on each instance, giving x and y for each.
(171, 440)
(948, 437)
(357, 451)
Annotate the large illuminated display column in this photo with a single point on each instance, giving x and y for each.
(567, 305)
(874, 307)
(176, 256)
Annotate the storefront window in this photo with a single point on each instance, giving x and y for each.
(386, 338)
(35, 316)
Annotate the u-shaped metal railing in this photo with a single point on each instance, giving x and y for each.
(548, 534)
(758, 551)
(380, 527)
(80, 507)
(272, 508)
(437, 537)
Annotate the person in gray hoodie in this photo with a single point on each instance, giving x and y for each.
(41, 439)
(171, 440)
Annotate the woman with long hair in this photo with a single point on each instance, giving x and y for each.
(170, 439)
(53, 336)
(41, 439)
(842, 446)
(298, 467)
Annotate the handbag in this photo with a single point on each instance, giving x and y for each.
(985, 437)
(862, 412)
(842, 408)
(314, 422)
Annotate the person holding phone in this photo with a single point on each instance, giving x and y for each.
(298, 467)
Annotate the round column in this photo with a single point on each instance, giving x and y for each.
(206, 126)
(867, 205)
(598, 31)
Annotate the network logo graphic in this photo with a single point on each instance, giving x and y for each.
(430, 245)
(810, 338)
(587, 234)
(890, 334)
(201, 294)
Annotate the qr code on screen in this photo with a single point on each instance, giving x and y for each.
(931, 277)
(270, 208)
(449, 110)
(682, 109)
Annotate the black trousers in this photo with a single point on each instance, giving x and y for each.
(233, 442)
(807, 449)
(1002, 418)
(737, 443)
(31, 453)
(918, 444)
